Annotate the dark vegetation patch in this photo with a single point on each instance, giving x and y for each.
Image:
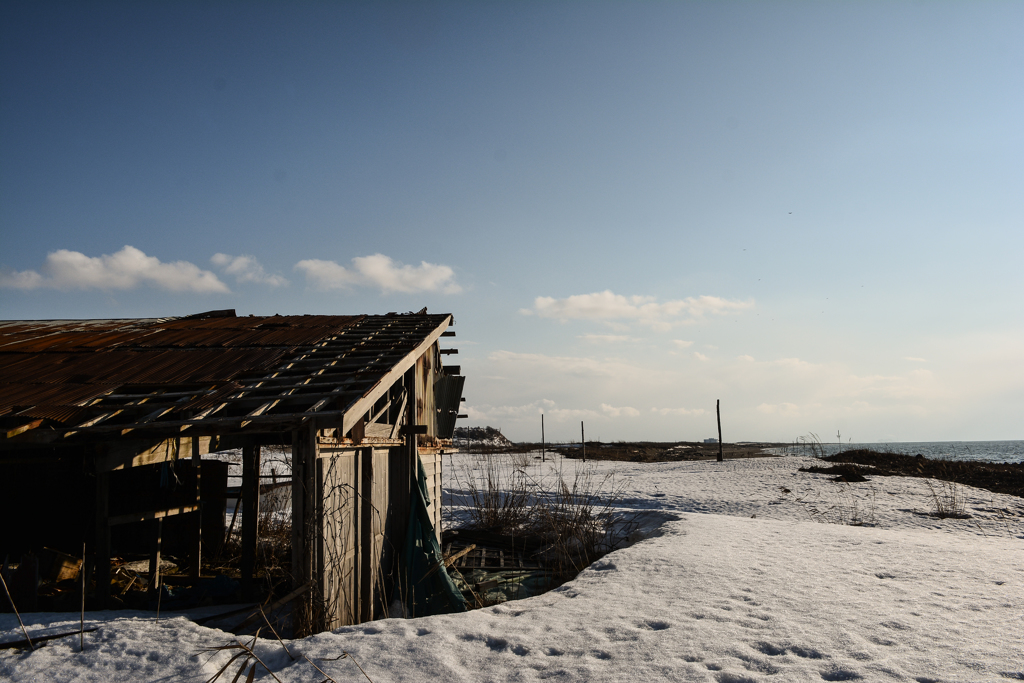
(845, 472)
(997, 477)
(651, 451)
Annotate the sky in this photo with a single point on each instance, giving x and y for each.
(810, 212)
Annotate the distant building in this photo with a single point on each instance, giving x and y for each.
(710, 440)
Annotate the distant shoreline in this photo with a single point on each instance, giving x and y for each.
(1000, 477)
(641, 451)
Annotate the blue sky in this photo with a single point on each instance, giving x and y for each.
(811, 211)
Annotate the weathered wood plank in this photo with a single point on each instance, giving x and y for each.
(150, 515)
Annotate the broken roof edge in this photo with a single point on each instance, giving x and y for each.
(269, 423)
(362, 405)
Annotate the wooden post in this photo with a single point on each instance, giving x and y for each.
(156, 544)
(250, 513)
(408, 472)
(81, 622)
(718, 411)
(583, 440)
(365, 551)
(543, 450)
(303, 541)
(195, 559)
(101, 545)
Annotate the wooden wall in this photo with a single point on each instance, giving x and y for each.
(352, 509)
(432, 465)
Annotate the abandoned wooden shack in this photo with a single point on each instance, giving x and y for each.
(97, 416)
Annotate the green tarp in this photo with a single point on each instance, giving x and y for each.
(427, 588)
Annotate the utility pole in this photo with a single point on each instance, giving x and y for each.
(583, 440)
(718, 411)
(543, 451)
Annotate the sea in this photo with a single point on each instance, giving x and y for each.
(979, 451)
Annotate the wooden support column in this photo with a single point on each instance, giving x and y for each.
(195, 556)
(101, 545)
(400, 472)
(304, 454)
(154, 555)
(250, 513)
(367, 554)
(409, 469)
(412, 440)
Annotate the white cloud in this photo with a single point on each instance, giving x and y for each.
(699, 356)
(679, 411)
(608, 338)
(532, 410)
(745, 358)
(785, 409)
(682, 344)
(379, 271)
(126, 269)
(646, 310)
(624, 411)
(246, 268)
(539, 365)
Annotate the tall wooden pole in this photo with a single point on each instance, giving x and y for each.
(543, 450)
(195, 561)
(250, 514)
(583, 439)
(101, 542)
(81, 622)
(718, 411)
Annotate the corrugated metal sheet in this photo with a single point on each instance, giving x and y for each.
(64, 414)
(448, 400)
(53, 368)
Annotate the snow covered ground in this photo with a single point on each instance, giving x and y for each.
(738, 577)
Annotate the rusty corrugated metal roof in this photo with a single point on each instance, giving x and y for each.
(82, 372)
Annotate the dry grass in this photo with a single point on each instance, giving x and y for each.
(812, 443)
(574, 519)
(841, 505)
(948, 501)
(502, 502)
(579, 519)
(247, 653)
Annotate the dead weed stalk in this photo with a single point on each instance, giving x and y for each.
(948, 500)
(842, 507)
(574, 518)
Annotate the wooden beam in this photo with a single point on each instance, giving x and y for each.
(138, 452)
(399, 414)
(380, 412)
(150, 515)
(101, 542)
(250, 514)
(366, 557)
(195, 556)
(304, 453)
(363, 405)
(11, 433)
(154, 556)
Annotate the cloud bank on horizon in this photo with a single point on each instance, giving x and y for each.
(125, 269)
(607, 306)
(381, 272)
(131, 268)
